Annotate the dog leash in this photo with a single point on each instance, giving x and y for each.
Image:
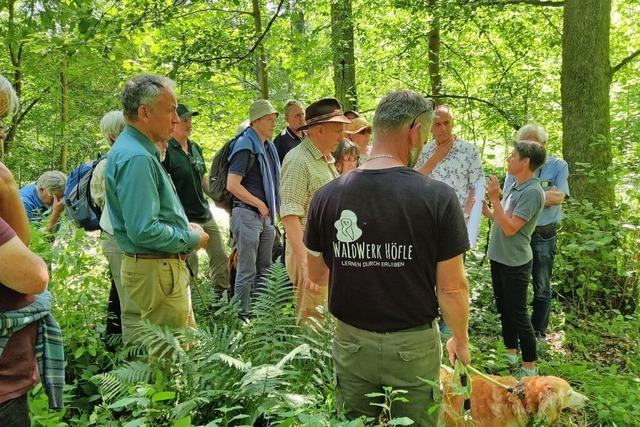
(517, 390)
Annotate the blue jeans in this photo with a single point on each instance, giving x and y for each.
(544, 249)
(254, 240)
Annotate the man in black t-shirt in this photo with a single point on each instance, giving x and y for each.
(391, 241)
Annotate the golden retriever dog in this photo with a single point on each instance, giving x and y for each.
(493, 406)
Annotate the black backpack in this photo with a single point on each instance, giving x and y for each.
(78, 204)
(218, 175)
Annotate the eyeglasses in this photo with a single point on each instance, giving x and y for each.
(365, 131)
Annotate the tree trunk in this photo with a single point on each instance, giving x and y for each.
(64, 114)
(585, 85)
(15, 52)
(434, 50)
(261, 60)
(344, 69)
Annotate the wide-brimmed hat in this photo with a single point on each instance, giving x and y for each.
(357, 125)
(261, 108)
(184, 112)
(326, 110)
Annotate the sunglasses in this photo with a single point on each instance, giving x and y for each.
(365, 131)
(431, 107)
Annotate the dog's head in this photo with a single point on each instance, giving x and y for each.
(551, 395)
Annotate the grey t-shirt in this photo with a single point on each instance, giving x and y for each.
(526, 201)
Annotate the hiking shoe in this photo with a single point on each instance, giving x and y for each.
(524, 372)
(511, 359)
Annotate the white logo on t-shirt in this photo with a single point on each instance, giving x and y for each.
(347, 226)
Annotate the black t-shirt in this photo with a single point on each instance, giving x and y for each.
(285, 142)
(252, 179)
(382, 233)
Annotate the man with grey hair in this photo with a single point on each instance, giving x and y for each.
(149, 223)
(291, 135)
(393, 241)
(45, 197)
(553, 176)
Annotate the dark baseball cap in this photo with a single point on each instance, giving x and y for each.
(184, 112)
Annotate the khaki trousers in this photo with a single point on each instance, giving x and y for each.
(306, 300)
(218, 271)
(156, 290)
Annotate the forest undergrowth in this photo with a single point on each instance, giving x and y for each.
(269, 372)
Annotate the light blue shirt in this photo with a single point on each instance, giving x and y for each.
(145, 211)
(36, 210)
(553, 172)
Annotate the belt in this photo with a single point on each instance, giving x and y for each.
(237, 204)
(424, 327)
(549, 228)
(182, 256)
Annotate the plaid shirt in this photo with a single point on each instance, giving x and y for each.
(304, 170)
(49, 350)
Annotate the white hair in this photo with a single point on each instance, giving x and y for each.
(8, 98)
(525, 132)
(52, 181)
(143, 90)
(112, 123)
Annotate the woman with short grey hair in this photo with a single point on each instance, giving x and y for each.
(111, 125)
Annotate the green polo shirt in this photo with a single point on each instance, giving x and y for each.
(187, 170)
(524, 200)
(146, 213)
(304, 170)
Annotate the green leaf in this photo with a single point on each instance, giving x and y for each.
(163, 395)
(183, 422)
(402, 421)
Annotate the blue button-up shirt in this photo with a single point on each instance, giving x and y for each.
(36, 210)
(554, 172)
(146, 213)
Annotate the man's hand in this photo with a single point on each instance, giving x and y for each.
(263, 209)
(458, 351)
(486, 211)
(309, 284)
(493, 188)
(471, 200)
(204, 237)
(57, 205)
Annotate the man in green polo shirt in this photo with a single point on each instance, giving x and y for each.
(305, 169)
(149, 223)
(185, 164)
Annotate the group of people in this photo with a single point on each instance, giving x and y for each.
(376, 232)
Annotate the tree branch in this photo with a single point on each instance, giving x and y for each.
(624, 62)
(502, 112)
(548, 3)
(262, 36)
